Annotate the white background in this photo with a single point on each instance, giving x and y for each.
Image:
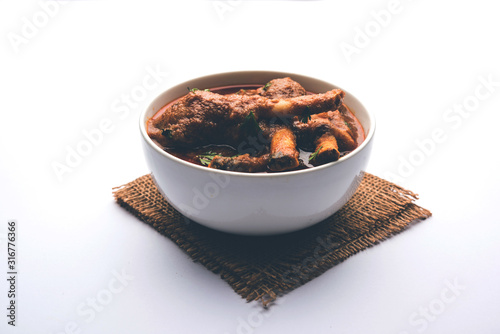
(76, 67)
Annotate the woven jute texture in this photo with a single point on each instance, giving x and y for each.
(264, 268)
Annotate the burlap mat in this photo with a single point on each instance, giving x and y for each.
(263, 268)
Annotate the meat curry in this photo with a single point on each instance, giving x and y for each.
(274, 127)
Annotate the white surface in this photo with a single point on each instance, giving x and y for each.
(74, 240)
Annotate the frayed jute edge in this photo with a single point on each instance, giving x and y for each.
(408, 217)
(393, 203)
(266, 286)
(270, 284)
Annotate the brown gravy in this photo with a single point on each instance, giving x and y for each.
(195, 155)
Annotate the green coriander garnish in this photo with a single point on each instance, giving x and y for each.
(315, 154)
(207, 158)
(250, 126)
(306, 115)
(266, 87)
(166, 133)
(195, 89)
(347, 124)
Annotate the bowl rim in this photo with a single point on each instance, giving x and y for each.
(149, 141)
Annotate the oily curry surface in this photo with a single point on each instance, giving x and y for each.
(274, 127)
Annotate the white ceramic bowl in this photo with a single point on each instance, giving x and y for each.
(263, 203)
